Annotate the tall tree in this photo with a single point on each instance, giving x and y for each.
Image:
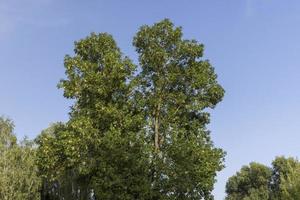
(101, 143)
(175, 88)
(137, 133)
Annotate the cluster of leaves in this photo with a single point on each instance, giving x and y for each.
(257, 181)
(135, 132)
(18, 172)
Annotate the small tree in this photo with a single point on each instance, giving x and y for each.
(251, 182)
(257, 181)
(18, 172)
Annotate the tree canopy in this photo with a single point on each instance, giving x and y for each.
(136, 131)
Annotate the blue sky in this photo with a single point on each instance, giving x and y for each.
(254, 46)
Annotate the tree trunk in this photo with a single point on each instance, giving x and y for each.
(156, 128)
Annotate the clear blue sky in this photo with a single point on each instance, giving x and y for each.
(254, 46)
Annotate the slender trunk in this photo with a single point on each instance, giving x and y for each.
(156, 128)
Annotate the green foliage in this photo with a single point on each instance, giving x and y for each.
(18, 172)
(290, 183)
(250, 182)
(100, 144)
(134, 132)
(52, 164)
(284, 179)
(50, 158)
(122, 172)
(257, 181)
(7, 138)
(174, 88)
